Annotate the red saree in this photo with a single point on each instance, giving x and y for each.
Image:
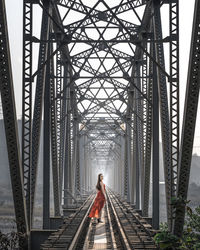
(98, 204)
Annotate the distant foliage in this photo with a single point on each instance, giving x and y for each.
(191, 234)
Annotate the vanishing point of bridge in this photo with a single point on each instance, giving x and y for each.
(99, 88)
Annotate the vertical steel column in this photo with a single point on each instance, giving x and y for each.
(67, 155)
(136, 156)
(85, 162)
(174, 88)
(130, 193)
(39, 96)
(144, 123)
(27, 100)
(71, 143)
(189, 121)
(46, 150)
(74, 139)
(118, 175)
(147, 159)
(74, 153)
(78, 184)
(139, 137)
(82, 145)
(122, 165)
(134, 161)
(10, 123)
(81, 162)
(60, 119)
(128, 152)
(77, 163)
(87, 165)
(126, 181)
(155, 154)
(115, 174)
(86, 172)
(64, 138)
(164, 111)
(54, 151)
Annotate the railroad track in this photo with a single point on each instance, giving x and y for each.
(70, 234)
(123, 228)
(134, 231)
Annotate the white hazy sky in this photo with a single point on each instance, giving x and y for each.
(14, 17)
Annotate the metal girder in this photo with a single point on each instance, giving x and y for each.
(90, 82)
(54, 152)
(72, 131)
(99, 138)
(147, 111)
(108, 109)
(189, 121)
(87, 53)
(94, 17)
(64, 140)
(75, 144)
(139, 126)
(11, 130)
(68, 149)
(59, 126)
(147, 156)
(129, 172)
(46, 148)
(39, 95)
(144, 101)
(164, 109)
(138, 137)
(108, 128)
(174, 88)
(155, 149)
(27, 101)
(76, 164)
(122, 7)
(62, 101)
(106, 75)
(144, 119)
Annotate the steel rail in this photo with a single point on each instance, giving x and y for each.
(113, 241)
(77, 235)
(64, 237)
(121, 230)
(139, 222)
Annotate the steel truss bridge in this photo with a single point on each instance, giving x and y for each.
(99, 88)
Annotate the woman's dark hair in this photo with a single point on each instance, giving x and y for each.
(98, 186)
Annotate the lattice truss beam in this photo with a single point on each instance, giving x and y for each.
(101, 66)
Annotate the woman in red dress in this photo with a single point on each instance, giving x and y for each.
(99, 200)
